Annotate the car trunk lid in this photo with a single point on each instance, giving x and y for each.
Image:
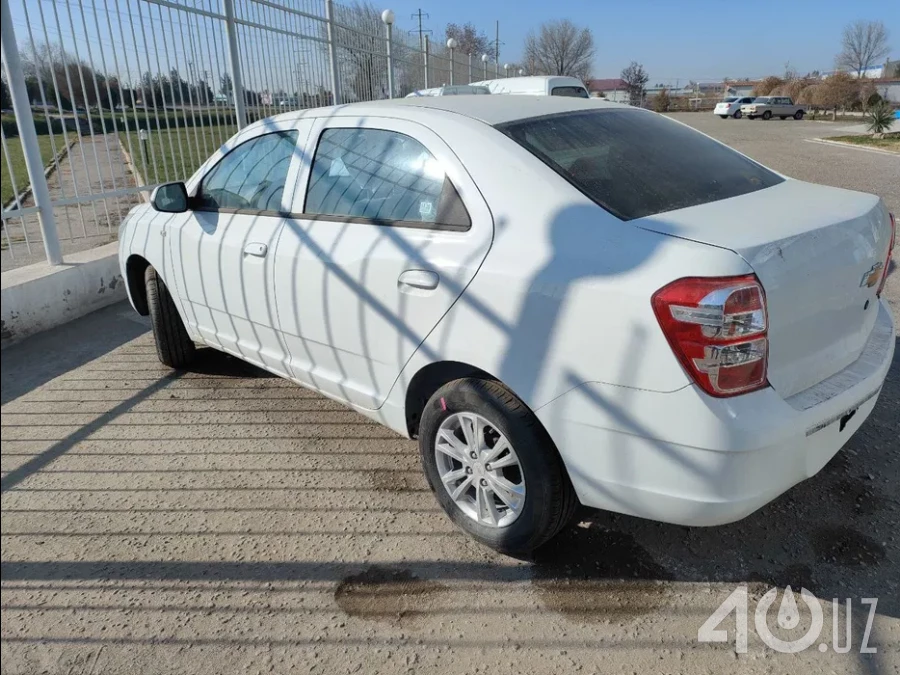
(815, 250)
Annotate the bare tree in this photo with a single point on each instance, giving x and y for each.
(560, 48)
(468, 39)
(863, 45)
(635, 78)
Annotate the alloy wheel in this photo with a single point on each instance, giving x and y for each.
(479, 469)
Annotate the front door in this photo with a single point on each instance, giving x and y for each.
(388, 230)
(224, 250)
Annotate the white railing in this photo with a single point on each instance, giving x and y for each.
(113, 97)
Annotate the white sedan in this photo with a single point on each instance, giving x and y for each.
(731, 106)
(565, 301)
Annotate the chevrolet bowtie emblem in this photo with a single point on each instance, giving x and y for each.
(871, 277)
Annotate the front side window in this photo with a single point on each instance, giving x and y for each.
(637, 164)
(383, 177)
(250, 177)
(577, 92)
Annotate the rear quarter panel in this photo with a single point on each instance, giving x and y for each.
(563, 296)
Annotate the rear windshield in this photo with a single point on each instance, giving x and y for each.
(763, 99)
(578, 92)
(635, 163)
(731, 99)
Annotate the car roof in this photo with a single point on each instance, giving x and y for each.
(494, 109)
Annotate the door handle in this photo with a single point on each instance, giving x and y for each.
(256, 249)
(418, 280)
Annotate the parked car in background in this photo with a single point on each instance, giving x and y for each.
(451, 90)
(537, 85)
(731, 107)
(565, 301)
(768, 107)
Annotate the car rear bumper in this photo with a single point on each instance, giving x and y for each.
(686, 458)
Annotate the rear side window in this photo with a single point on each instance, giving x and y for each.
(637, 164)
(382, 177)
(577, 92)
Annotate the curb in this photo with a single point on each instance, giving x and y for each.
(853, 146)
(48, 171)
(39, 296)
(138, 178)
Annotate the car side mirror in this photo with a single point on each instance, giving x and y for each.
(170, 198)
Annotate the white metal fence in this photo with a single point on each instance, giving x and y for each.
(110, 98)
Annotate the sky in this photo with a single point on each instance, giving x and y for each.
(676, 41)
(690, 39)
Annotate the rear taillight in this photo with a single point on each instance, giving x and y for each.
(887, 262)
(717, 328)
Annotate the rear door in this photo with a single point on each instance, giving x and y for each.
(386, 232)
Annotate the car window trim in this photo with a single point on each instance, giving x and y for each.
(192, 200)
(380, 222)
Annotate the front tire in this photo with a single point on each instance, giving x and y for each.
(767, 115)
(173, 345)
(737, 114)
(492, 466)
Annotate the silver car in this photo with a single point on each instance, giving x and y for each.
(768, 107)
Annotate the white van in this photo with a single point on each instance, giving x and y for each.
(452, 90)
(537, 85)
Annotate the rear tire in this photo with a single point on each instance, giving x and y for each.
(549, 500)
(173, 345)
(767, 115)
(798, 115)
(724, 117)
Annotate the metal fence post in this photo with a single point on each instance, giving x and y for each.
(469, 81)
(28, 137)
(332, 53)
(425, 53)
(387, 16)
(234, 64)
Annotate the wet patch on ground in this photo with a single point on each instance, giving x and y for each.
(593, 573)
(388, 595)
(839, 545)
(393, 480)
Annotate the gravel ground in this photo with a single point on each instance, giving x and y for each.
(224, 520)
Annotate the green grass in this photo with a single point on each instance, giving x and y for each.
(173, 155)
(890, 142)
(17, 159)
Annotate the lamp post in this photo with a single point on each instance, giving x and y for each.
(387, 16)
(451, 45)
(484, 60)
